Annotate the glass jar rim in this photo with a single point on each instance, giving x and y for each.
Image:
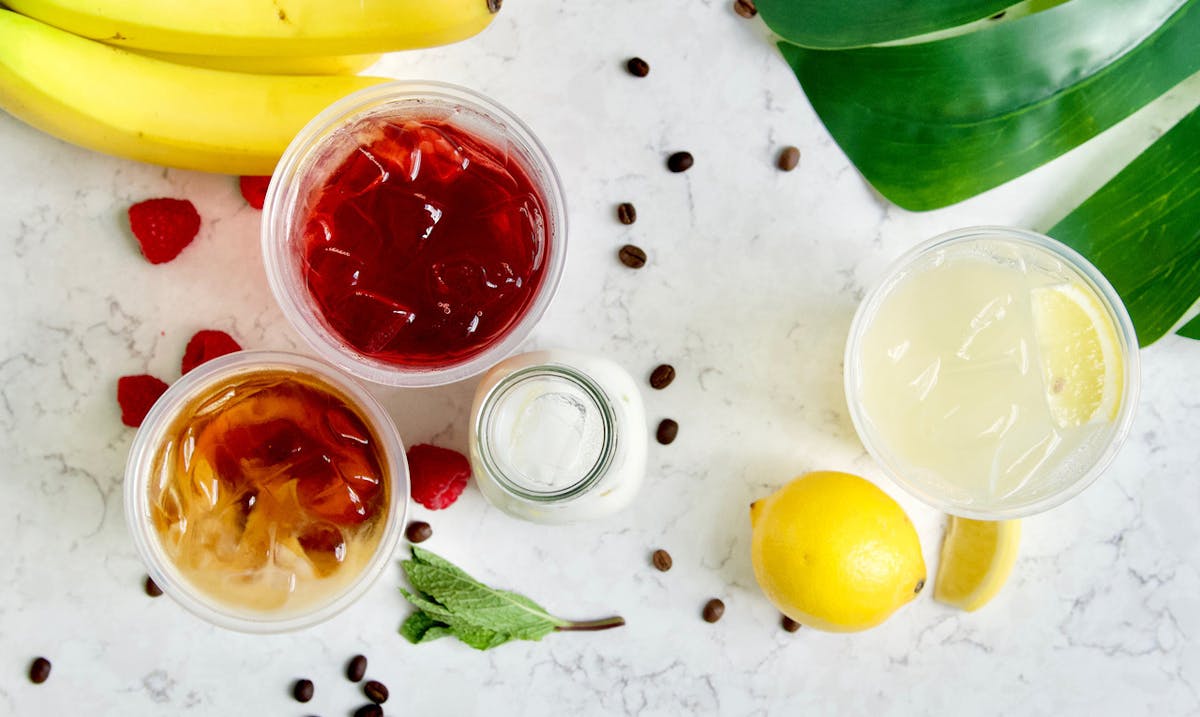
(1115, 310)
(149, 438)
(282, 197)
(486, 415)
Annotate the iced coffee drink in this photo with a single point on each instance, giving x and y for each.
(269, 492)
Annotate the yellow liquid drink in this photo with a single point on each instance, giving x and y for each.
(993, 372)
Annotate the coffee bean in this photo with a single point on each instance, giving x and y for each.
(376, 691)
(789, 624)
(745, 8)
(371, 710)
(662, 560)
(632, 256)
(302, 690)
(152, 589)
(356, 668)
(638, 67)
(662, 376)
(713, 610)
(919, 587)
(667, 430)
(680, 161)
(494, 6)
(39, 670)
(626, 213)
(417, 531)
(789, 158)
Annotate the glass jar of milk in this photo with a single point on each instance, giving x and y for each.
(558, 437)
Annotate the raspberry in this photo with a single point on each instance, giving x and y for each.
(254, 190)
(207, 345)
(438, 475)
(163, 227)
(136, 394)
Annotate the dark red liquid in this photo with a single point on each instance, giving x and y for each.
(426, 244)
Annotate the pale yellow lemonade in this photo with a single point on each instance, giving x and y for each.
(988, 374)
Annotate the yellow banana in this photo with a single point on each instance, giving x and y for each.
(314, 65)
(266, 27)
(122, 103)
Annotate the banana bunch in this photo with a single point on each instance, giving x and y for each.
(211, 85)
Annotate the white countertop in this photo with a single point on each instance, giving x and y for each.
(752, 279)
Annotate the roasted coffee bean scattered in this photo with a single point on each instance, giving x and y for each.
(745, 8)
(789, 159)
(667, 430)
(376, 691)
(632, 256)
(356, 669)
(302, 690)
(662, 560)
(152, 589)
(789, 624)
(919, 586)
(638, 67)
(713, 610)
(494, 6)
(418, 531)
(662, 376)
(39, 670)
(680, 161)
(371, 710)
(626, 213)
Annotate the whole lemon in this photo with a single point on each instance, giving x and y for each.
(834, 552)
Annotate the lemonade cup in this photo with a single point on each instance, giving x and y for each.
(992, 372)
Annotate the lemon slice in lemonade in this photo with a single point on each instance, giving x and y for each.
(977, 558)
(1081, 357)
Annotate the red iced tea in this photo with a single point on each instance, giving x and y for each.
(426, 244)
(269, 492)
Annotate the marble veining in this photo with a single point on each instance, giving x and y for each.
(752, 279)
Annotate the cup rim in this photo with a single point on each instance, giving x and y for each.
(1117, 312)
(146, 445)
(282, 195)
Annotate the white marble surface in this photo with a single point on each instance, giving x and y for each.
(752, 279)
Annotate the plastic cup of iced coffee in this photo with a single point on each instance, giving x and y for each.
(266, 491)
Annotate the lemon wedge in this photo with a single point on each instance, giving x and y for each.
(1082, 365)
(977, 558)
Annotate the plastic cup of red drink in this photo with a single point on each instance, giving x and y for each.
(266, 491)
(414, 233)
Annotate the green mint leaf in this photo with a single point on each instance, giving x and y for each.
(478, 637)
(497, 610)
(470, 599)
(420, 627)
(450, 602)
(424, 557)
(436, 632)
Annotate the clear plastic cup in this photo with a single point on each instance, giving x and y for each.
(308, 161)
(150, 440)
(1049, 484)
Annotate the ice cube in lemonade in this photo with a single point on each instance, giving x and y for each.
(271, 495)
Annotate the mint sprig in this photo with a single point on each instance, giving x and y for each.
(451, 603)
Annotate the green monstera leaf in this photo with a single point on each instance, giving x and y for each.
(1142, 230)
(932, 123)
